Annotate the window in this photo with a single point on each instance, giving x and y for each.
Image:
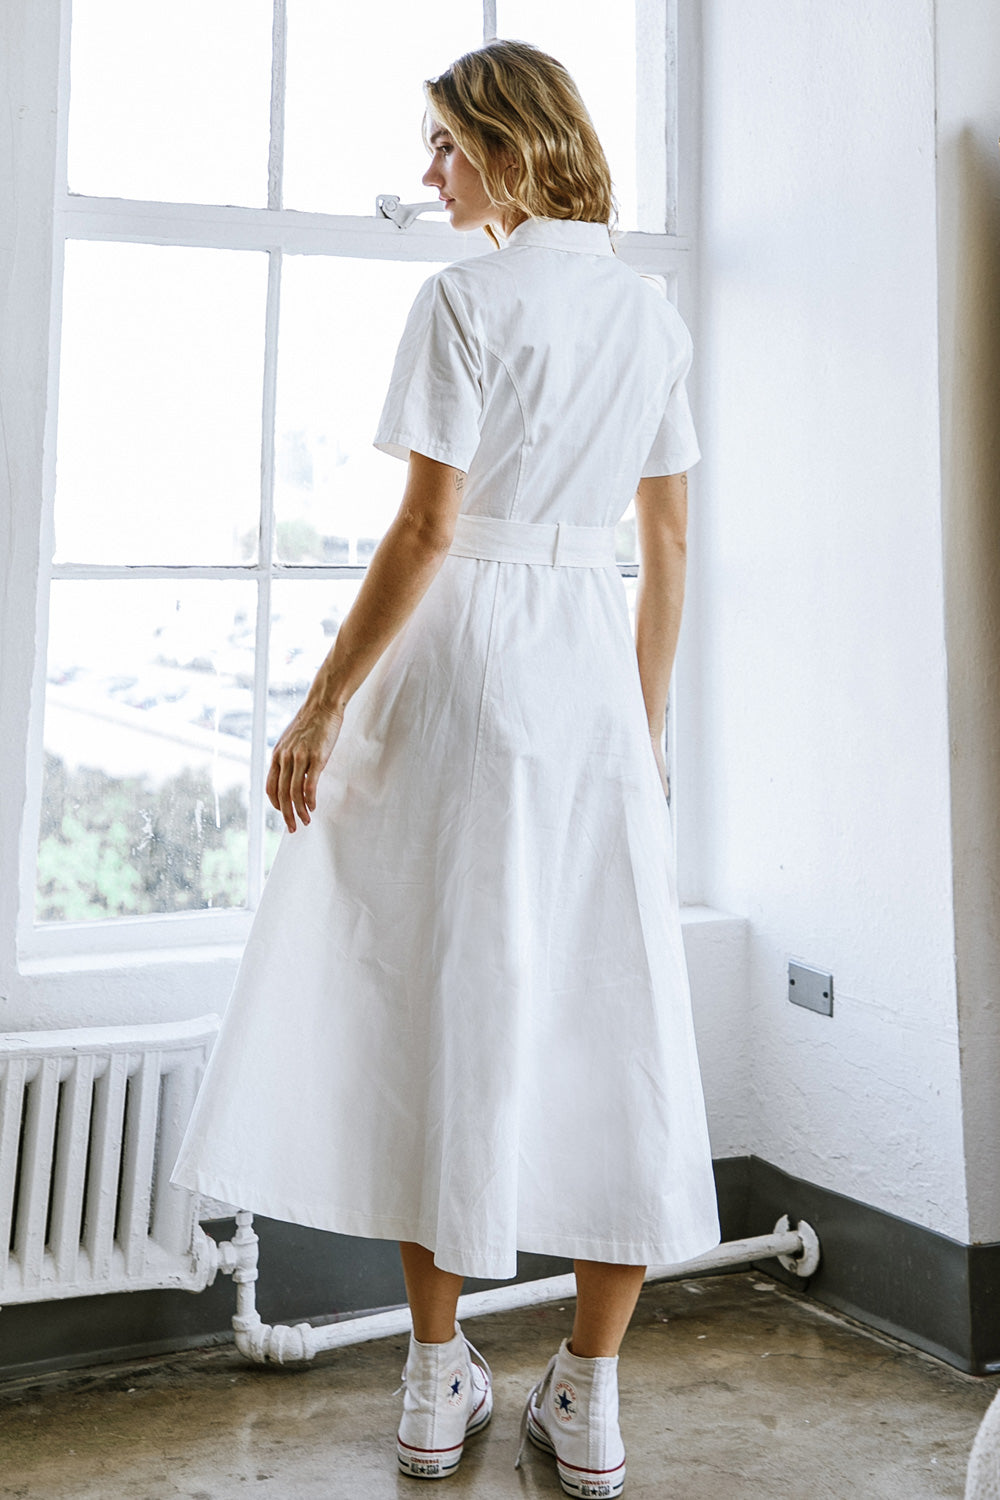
(227, 305)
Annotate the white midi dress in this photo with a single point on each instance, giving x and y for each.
(462, 1016)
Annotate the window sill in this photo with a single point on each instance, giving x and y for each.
(697, 915)
(134, 958)
(87, 959)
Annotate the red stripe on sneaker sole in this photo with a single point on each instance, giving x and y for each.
(589, 1484)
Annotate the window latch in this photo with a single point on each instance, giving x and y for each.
(388, 206)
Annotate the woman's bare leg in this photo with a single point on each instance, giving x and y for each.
(431, 1293)
(606, 1298)
(605, 1301)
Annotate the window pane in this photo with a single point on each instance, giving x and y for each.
(631, 592)
(160, 403)
(340, 323)
(305, 617)
(627, 537)
(597, 44)
(354, 101)
(147, 754)
(171, 100)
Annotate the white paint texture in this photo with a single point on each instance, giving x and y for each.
(716, 949)
(29, 54)
(969, 237)
(823, 721)
(819, 796)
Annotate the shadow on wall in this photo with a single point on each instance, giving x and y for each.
(970, 395)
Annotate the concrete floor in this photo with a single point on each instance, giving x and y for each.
(732, 1389)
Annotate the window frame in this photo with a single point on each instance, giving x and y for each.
(277, 232)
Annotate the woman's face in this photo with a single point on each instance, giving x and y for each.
(459, 185)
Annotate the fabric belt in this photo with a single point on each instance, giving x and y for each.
(554, 544)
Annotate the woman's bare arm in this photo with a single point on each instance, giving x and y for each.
(661, 512)
(401, 571)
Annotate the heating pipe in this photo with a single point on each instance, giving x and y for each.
(797, 1250)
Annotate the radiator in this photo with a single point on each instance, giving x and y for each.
(90, 1126)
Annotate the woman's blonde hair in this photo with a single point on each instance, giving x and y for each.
(517, 115)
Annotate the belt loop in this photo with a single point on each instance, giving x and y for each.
(557, 549)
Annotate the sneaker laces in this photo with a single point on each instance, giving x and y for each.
(480, 1361)
(538, 1389)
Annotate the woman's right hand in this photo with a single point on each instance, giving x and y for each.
(299, 757)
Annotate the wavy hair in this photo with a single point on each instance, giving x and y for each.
(517, 115)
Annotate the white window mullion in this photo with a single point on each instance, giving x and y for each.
(218, 571)
(258, 747)
(62, 119)
(276, 151)
(489, 20)
(656, 113)
(669, 88)
(319, 570)
(298, 232)
(177, 571)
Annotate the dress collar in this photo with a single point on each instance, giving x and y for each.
(562, 234)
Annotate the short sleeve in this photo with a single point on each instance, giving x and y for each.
(435, 398)
(675, 447)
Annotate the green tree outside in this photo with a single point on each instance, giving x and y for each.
(119, 847)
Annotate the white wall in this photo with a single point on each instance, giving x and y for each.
(716, 947)
(28, 79)
(968, 99)
(823, 713)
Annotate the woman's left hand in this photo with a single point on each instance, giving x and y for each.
(298, 761)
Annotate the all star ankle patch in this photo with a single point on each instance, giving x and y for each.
(564, 1397)
(456, 1388)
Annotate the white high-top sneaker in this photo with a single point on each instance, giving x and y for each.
(572, 1413)
(446, 1398)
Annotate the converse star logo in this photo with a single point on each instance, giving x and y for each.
(564, 1397)
(456, 1389)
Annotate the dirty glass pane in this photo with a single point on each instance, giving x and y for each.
(354, 101)
(334, 494)
(170, 101)
(597, 44)
(147, 750)
(305, 616)
(160, 404)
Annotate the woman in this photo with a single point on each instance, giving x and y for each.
(462, 1018)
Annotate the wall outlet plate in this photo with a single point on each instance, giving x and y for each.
(810, 987)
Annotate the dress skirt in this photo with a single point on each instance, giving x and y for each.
(462, 1016)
